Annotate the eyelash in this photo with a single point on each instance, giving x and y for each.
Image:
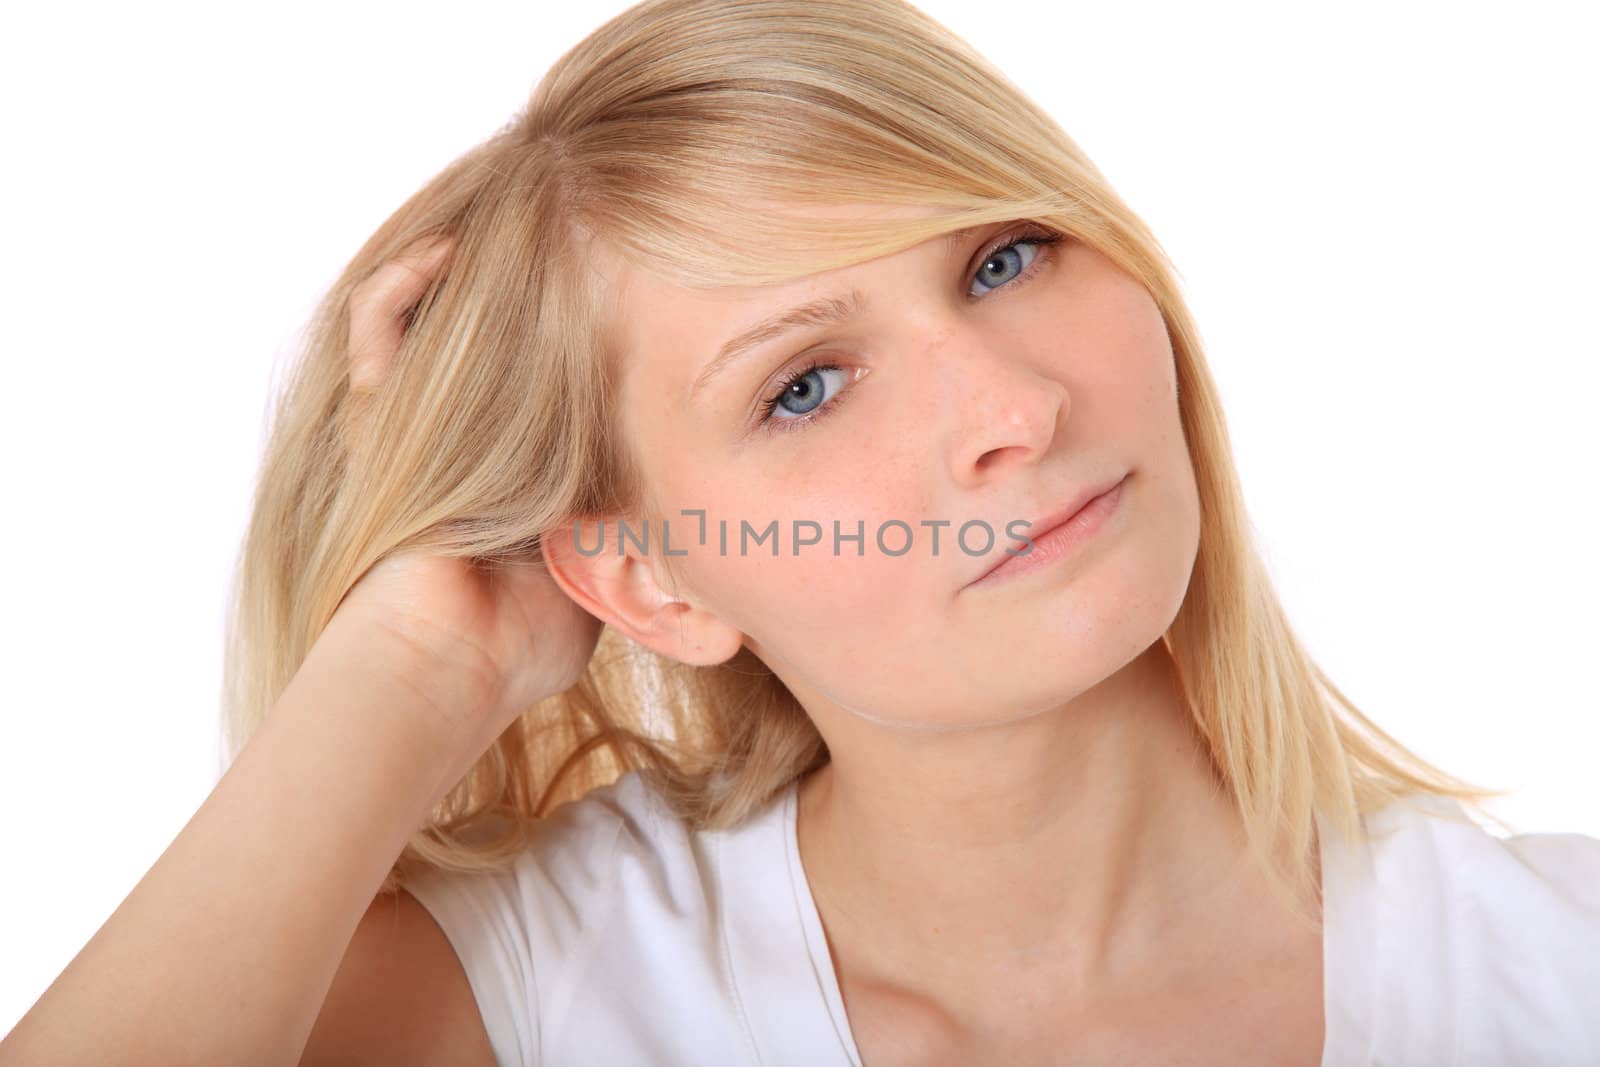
(1030, 234)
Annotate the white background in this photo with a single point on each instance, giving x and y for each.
(1384, 215)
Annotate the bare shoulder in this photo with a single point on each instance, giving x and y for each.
(400, 995)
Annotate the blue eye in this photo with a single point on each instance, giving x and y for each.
(1004, 264)
(803, 390)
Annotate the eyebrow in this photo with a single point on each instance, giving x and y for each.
(826, 311)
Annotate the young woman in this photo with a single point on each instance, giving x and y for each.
(750, 569)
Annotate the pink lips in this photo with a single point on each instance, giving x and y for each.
(1058, 534)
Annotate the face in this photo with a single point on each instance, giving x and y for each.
(985, 382)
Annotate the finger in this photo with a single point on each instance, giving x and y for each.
(380, 304)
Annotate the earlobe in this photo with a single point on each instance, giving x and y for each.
(623, 591)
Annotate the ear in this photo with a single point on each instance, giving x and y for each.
(609, 576)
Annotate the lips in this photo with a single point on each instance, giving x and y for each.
(1058, 517)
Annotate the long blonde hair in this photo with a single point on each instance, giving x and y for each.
(665, 133)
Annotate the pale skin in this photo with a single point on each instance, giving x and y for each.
(1018, 850)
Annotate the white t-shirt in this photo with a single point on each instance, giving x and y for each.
(622, 938)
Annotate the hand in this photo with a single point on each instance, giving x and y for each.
(504, 633)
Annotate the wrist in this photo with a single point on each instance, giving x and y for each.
(450, 690)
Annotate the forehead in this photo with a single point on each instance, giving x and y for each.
(665, 333)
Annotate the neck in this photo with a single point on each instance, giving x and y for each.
(1087, 848)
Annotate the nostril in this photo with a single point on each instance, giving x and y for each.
(995, 455)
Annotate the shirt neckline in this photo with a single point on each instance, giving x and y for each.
(1349, 941)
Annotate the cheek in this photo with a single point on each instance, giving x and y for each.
(785, 574)
(1133, 374)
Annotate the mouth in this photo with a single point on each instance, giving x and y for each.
(1057, 533)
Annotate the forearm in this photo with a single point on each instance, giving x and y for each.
(224, 952)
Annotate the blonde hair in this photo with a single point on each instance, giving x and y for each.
(658, 133)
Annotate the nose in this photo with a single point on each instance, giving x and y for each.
(1010, 410)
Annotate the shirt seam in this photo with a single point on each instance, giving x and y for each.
(725, 950)
(804, 901)
(583, 952)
